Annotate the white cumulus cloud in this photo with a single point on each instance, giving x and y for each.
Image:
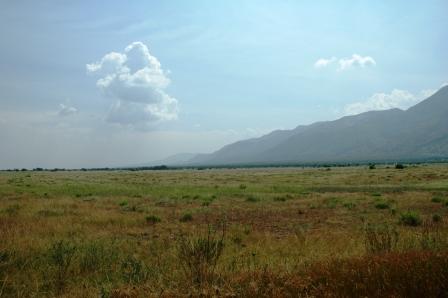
(136, 82)
(356, 60)
(322, 62)
(346, 63)
(65, 110)
(401, 99)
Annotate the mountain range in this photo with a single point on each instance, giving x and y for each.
(418, 133)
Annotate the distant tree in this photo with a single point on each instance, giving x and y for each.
(399, 166)
(162, 167)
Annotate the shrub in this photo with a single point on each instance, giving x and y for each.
(279, 199)
(186, 217)
(208, 201)
(436, 200)
(133, 270)
(123, 203)
(349, 205)
(60, 255)
(410, 218)
(332, 203)
(436, 218)
(5, 262)
(132, 208)
(198, 256)
(372, 167)
(97, 256)
(252, 199)
(152, 219)
(48, 213)
(382, 205)
(12, 209)
(399, 166)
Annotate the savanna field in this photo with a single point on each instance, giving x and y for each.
(277, 232)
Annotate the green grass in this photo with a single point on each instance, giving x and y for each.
(411, 218)
(382, 205)
(152, 219)
(112, 234)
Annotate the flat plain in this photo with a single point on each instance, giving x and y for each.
(272, 232)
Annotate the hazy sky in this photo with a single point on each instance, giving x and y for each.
(109, 83)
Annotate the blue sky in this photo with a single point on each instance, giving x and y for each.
(228, 70)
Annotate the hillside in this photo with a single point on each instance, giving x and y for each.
(421, 132)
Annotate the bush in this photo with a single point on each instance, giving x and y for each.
(436, 200)
(410, 218)
(207, 201)
(198, 256)
(133, 270)
(399, 166)
(48, 213)
(436, 218)
(6, 258)
(12, 210)
(372, 167)
(186, 217)
(97, 256)
(252, 199)
(331, 202)
(280, 199)
(382, 205)
(61, 254)
(152, 219)
(349, 205)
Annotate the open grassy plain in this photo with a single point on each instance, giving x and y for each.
(280, 232)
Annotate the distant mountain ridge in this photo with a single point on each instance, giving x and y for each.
(421, 132)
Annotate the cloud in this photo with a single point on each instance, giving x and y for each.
(66, 110)
(401, 99)
(346, 63)
(356, 60)
(322, 62)
(136, 82)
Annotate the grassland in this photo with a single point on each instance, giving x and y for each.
(339, 232)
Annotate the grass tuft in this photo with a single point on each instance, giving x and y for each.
(411, 218)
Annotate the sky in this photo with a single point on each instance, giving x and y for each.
(116, 83)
